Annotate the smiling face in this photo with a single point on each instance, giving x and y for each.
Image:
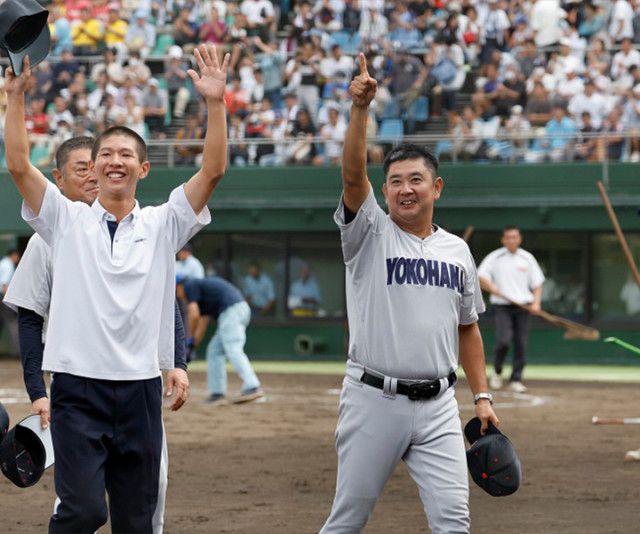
(410, 191)
(76, 180)
(118, 166)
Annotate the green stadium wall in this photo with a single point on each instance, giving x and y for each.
(543, 197)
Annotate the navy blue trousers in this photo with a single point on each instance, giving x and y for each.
(107, 435)
(512, 326)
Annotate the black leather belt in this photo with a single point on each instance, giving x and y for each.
(413, 390)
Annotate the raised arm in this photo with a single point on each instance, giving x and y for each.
(354, 155)
(30, 182)
(211, 85)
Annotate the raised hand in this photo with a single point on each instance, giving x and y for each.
(17, 85)
(363, 87)
(212, 80)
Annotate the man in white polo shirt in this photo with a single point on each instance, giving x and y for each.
(111, 323)
(512, 276)
(29, 295)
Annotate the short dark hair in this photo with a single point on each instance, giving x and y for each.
(141, 146)
(407, 151)
(12, 251)
(509, 228)
(75, 143)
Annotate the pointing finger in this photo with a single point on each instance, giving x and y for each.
(363, 64)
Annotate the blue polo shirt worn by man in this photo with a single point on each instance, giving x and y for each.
(216, 298)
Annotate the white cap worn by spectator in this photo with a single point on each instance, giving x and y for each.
(175, 52)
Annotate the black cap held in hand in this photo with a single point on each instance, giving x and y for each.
(492, 460)
(22, 456)
(24, 31)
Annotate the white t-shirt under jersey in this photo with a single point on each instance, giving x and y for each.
(516, 275)
(406, 296)
(112, 307)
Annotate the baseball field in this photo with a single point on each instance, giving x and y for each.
(269, 467)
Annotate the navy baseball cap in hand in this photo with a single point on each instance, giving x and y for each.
(492, 460)
(24, 31)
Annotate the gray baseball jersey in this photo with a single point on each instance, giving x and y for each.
(406, 296)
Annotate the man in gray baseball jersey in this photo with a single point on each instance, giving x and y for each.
(512, 276)
(413, 300)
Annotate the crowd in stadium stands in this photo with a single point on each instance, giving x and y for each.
(524, 80)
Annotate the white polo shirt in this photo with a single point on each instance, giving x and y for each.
(516, 275)
(30, 286)
(112, 304)
(406, 296)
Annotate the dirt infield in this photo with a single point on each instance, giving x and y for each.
(270, 467)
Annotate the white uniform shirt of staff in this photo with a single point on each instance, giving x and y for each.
(516, 275)
(104, 316)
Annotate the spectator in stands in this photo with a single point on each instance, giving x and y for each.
(625, 58)
(260, 16)
(259, 290)
(302, 74)
(60, 30)
(235, 97)
(545, 19)
(270, 60)
(528, 57)
(327, 17)
(291, 107)
(175, 74)
(597, 57)
(36, 119)
(593, 21)
(333, 134)
(128, 88)
(590, 101)
(587, 147)
(116, 30)
(302, 150)
(336, 62)
(373, 25)
(632, 122)
(570, 86)
(614, 142)
(134, 117)
(238, 150)
(64, 70)
(136, 69)
(494, 30)
(188, 154)
(519, 130)
(447, 51)
(141, 34)
(559, 139)
(467, 135)
(538, 108)
(86, 33)
(214, 30)
(621, 21)
(406, 79)
(402, 26)
(185, 30)
(155, 103)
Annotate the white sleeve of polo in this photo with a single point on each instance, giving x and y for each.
(30, 286)
(55, 214)
(370, 219)
(182, 222)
